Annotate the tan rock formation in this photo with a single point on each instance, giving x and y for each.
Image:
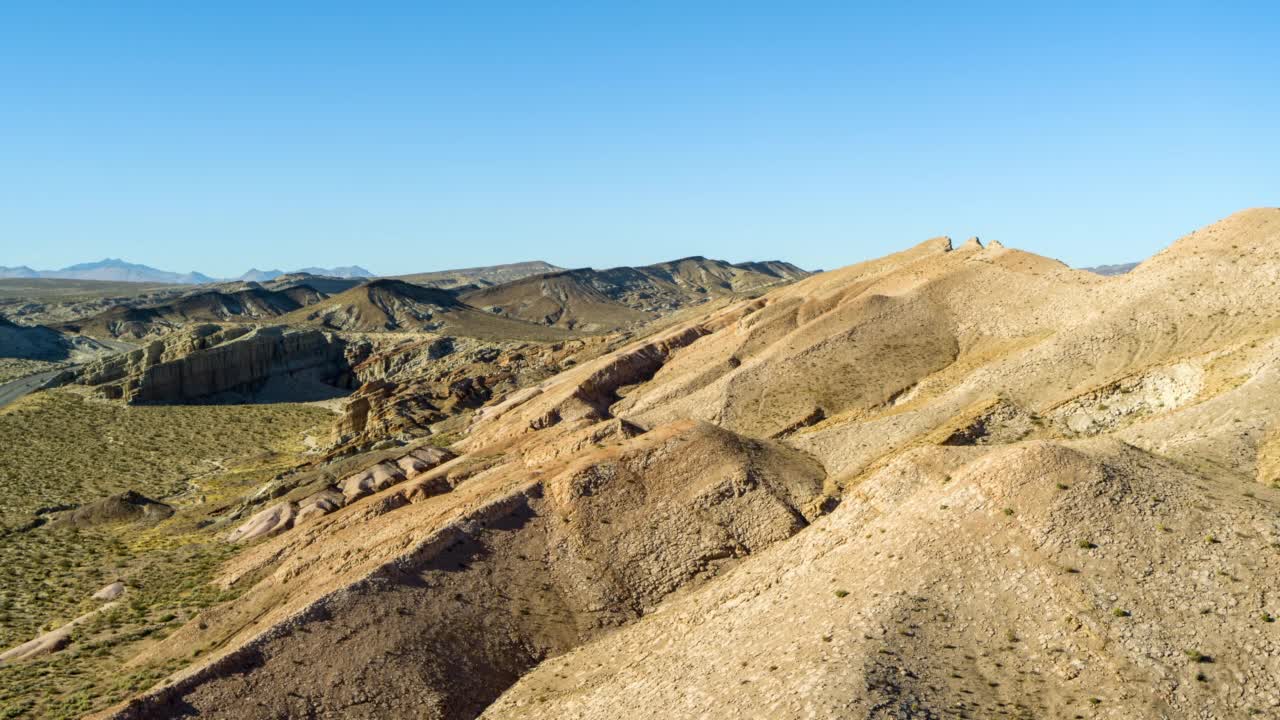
(277, 518)
(208, 362)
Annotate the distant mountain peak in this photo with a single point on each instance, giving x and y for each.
(116, 269)
(1108, 270)
(109, 269)
(103, 263)
(21, 271)
(342, 271)
(256, 275)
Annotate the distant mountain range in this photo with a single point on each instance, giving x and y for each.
(1109, 270)
(344, 271)
(112, 269)
(117, 270)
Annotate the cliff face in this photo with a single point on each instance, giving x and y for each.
(209, 363)
(109, 372)
(245, 365)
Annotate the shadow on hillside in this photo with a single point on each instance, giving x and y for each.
(32, 343)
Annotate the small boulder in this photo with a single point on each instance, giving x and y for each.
(110, 592)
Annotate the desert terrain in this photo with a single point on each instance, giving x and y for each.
(958, 481)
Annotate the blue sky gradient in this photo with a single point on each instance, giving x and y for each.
(415, 136)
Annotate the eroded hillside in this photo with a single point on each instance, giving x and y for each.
(601, 300)
(957, 481)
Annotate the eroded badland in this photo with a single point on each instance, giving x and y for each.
(959, 481)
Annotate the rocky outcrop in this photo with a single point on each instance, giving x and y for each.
(1129, 399)
(410, 388)
(384, 475)
(321, 503)
(995, 422)
(127, 506)
(271, 520)
(591, 399)
(246, 364)
(209, 362)
(111, 371)
(285, 515)
(378, 477)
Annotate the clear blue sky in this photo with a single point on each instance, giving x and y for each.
(404, 137)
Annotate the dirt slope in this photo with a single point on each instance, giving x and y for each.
(506, 569)
(1041, 580)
